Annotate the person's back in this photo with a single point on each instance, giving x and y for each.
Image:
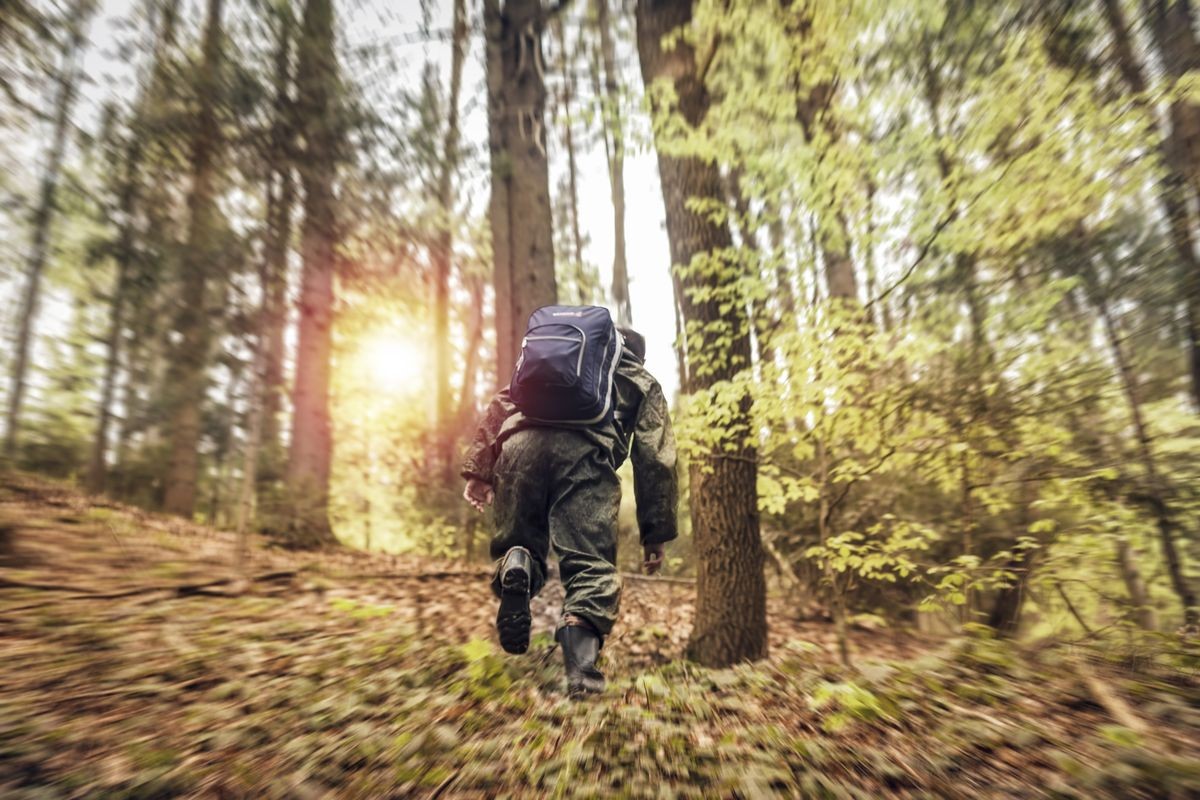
(558, 485)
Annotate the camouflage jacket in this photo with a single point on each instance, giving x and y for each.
(641, 427)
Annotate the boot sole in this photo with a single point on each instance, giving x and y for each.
(513, 619)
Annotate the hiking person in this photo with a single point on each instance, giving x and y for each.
(547, 453)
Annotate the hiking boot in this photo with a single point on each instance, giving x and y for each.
(581, 647)
(513, 619)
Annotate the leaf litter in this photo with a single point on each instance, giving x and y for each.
(355, 675)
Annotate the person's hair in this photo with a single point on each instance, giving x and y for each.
(634, 342)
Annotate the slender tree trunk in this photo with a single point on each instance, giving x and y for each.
(311, 453)
(730, 623)
(1155, 494)
(1139, 595)
(443, 250)
(187, 375)
(836, 590)
(43, 219)
(522, 231)
(98, 467)
(281, 198)
(499, 214)
(812, 107)
(1005, 614)
(257, 410)
(613, 129)
(566, 102)
(466, 399)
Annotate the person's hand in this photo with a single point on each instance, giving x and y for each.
(479, 494)
(653, 560)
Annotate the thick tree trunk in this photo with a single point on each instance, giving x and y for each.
(613, 129)
(1170, 26)
(730, 623)
(310, 459)
(443, 250)
(522, 231)
(187, 376)
(43, 218)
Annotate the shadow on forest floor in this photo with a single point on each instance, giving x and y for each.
(137, 664)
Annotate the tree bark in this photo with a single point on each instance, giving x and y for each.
(281, 199)
(1172, 29)
(812, 107)
(43, 219)
(310, 458)
(730, 622)
(98, 465)
(613, 130)
(443, 250)
(1179, 148)
(474, 341)
(1155, 489)
(1139, 595)
(187, 375)
(567, 99)
(522, 231)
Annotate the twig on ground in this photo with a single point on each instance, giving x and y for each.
(1116, 707)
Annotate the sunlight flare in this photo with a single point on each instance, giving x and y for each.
(392, 363)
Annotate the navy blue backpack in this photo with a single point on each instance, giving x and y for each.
(565, 371)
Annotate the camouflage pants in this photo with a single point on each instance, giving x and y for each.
(556, 488)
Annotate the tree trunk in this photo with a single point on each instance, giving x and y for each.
(837, 592)
(1179, 148)
(1139, 595)
(1155, 490)
(466, 399)
(281, 198)
(613, 130)
(311, 453)
(522, 232)
(43, 218)
(812, 106)
(566, 99)
(257, 410)
(1005, 614)
(187, 376)
(1175, 39)
(442, 252)
(98, 468)
(730, 623)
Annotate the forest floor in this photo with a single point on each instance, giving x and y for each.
(137, 663)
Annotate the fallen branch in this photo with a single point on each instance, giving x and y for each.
(634, 576)
(178, 590)
(1116, 707)
(8, 583)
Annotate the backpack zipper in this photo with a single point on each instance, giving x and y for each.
(582, 345)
